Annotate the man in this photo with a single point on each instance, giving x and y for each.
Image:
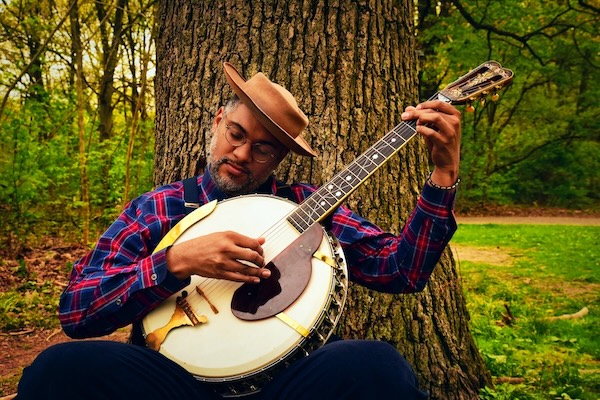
(121, 279)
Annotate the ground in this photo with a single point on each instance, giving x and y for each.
(19, 348)
(50, 261)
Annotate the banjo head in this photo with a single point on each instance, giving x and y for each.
(239, 356)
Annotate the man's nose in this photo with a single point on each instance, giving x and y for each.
(244, 152)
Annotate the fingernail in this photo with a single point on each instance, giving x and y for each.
(266, 273)
(405, 115)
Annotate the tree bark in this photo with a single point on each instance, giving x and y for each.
(352, 67)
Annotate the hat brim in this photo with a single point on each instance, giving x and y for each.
(298, 145)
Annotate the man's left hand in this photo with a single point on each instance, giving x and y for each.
(439, 123)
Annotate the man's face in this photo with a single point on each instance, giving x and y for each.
(235, 169)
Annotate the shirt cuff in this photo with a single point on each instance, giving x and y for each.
(437, 202)
(157, 273)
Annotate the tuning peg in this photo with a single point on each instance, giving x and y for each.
(495, 97)
(469, 107)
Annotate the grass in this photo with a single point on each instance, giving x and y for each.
(529, 272)
(550, 270)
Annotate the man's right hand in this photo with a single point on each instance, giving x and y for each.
(219, 255)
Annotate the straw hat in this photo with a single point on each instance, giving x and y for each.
(273, 106)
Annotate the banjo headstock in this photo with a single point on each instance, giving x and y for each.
(488, 78)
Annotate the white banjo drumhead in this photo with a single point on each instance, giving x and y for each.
(226, 347)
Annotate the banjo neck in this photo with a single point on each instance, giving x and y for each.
(488, 78)
(321, 203)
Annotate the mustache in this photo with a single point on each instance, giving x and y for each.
(226, 160)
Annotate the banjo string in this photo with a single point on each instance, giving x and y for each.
(278, 236)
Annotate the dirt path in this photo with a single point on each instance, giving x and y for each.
(537, 220)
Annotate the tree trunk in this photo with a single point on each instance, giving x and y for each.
(111, 44)
(352, 66)
(83, 178)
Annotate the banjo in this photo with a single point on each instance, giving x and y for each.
(238, 336)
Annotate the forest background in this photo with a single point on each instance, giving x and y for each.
(77, 109)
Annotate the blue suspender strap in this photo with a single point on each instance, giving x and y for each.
(190, 194)
(285, 191)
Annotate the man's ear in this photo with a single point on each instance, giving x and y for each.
(218, 117)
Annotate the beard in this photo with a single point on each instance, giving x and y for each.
(227, 185)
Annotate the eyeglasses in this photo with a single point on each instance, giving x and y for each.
(261, 152)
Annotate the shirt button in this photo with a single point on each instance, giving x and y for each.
(118, 302)
(153, 277)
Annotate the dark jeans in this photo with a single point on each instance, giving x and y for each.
(345, 369)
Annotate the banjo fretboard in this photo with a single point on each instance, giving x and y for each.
(318, 205)
(486, 79)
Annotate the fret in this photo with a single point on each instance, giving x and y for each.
(344, 183)
(327, 197)
(296, 222)
(313, 210)
(319, 204)
(302, 219)
(359, 171)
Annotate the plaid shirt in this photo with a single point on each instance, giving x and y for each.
(121, 280)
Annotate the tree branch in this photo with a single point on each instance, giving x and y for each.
(556, 23)
(34, 59)
(563, 138)
(490, 28)
(588, 6)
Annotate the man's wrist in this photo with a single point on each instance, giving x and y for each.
(174, 264)
(442, 181)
